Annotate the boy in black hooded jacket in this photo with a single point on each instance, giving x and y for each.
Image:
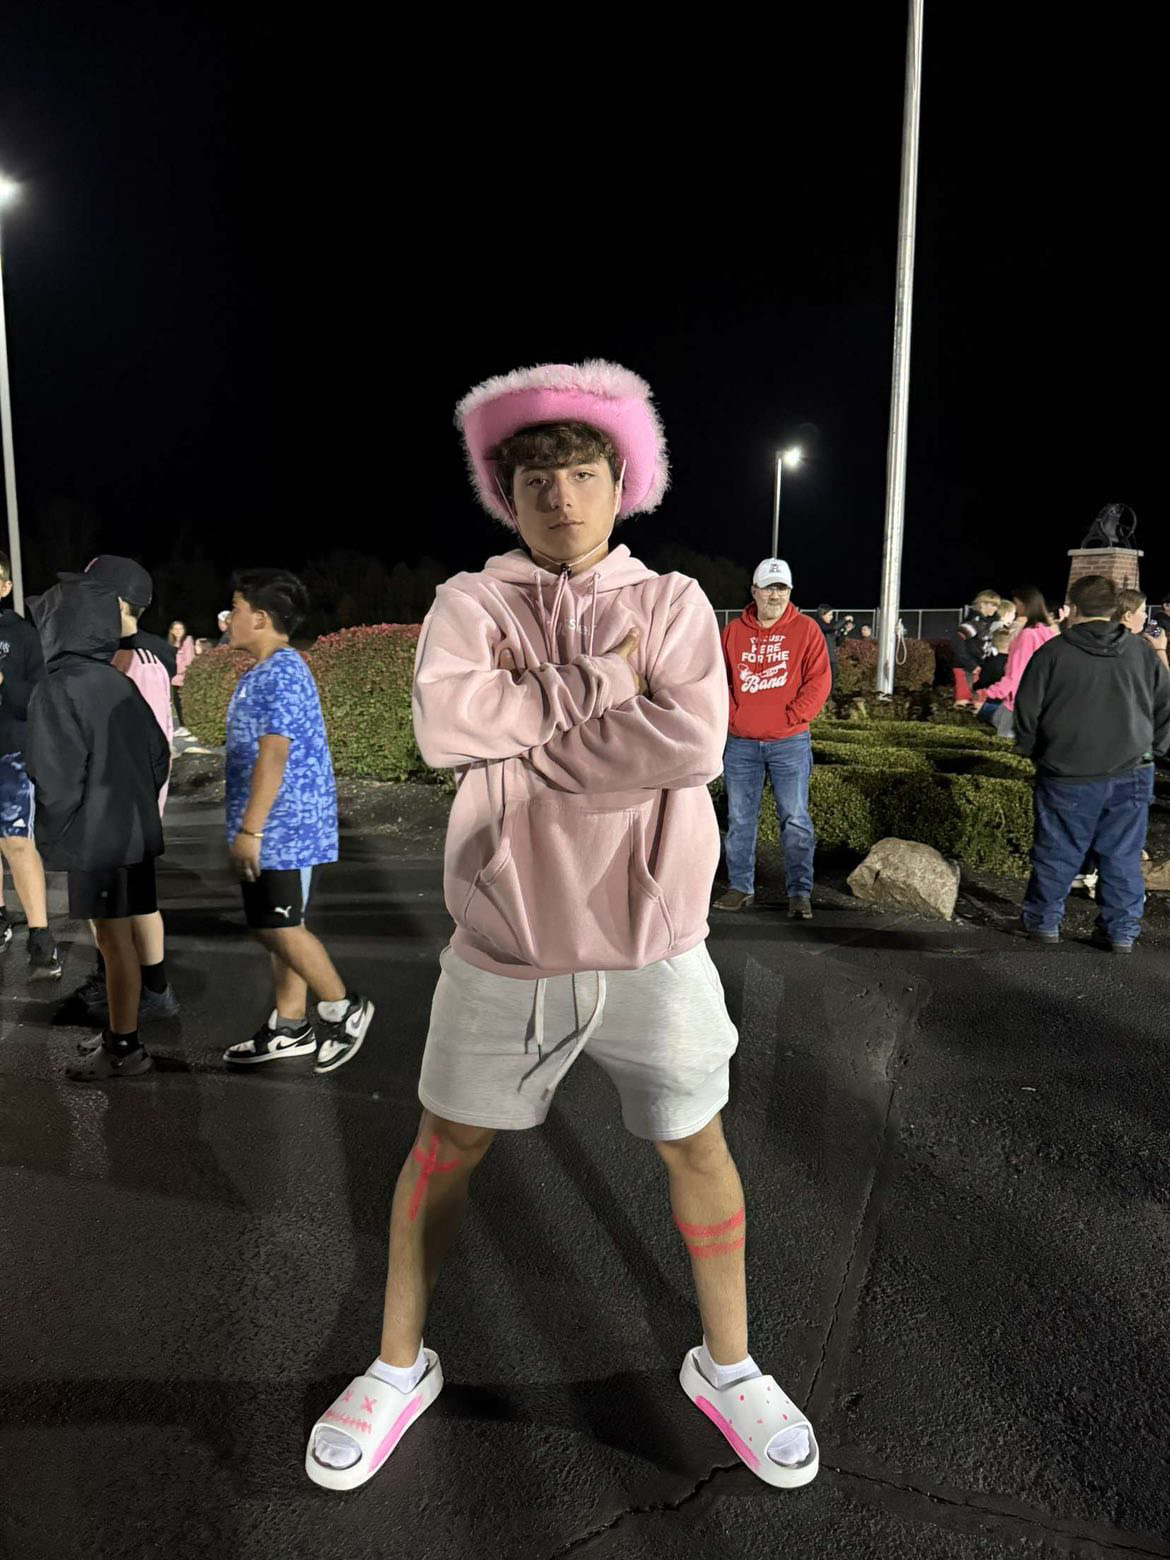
(98, 761)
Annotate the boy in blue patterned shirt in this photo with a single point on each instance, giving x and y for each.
(281, 823)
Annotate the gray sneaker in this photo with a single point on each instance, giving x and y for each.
(733, 899)
(152, 1006)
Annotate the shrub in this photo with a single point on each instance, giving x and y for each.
(983, 822)
(364, 675)
(857, 666)
(869, 755)
(207, 690)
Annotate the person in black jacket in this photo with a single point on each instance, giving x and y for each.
(21, 668)
(825, 615)
(1092, 711)
(98, 760)
(972, 641)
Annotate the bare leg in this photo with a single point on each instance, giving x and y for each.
(706, 1197)
(28, 879)
(115, 940)
(292, 993)
(149, 938)
(306, 955)
(428, 1208)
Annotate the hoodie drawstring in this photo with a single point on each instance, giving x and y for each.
(550, 620)
(577, 1038)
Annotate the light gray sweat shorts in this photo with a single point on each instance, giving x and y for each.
(497, 1046)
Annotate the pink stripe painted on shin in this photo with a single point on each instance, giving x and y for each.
(703, 1231)
(730, 1433)
(394, 1434)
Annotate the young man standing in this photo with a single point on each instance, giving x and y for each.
(281, 823)
(21, 667)
(139, 659)
(1092, 711)
(779, 675)
(98, 761)
(582, 702)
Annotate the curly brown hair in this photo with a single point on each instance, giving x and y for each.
(548, 446)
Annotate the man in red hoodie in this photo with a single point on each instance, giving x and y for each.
(779, 677)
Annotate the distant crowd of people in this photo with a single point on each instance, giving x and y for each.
(999, 636)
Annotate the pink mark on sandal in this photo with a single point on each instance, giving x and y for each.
(348, 1421)
(368, 1404)
(729, 1432)
(430, 1166)
(394, 1434)
(702, 1231)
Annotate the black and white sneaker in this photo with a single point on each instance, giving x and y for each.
(5, 931)
(341, 1040)
(274, 1042)
(44, 962)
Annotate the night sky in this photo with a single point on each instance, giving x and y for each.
(255, 266)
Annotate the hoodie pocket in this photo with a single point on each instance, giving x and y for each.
(570, 888)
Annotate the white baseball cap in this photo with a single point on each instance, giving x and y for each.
(773, 571)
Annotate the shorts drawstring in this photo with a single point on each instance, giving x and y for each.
(576, 1039)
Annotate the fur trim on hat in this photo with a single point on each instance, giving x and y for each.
(606, 395)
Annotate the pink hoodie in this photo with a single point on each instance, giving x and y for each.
(149, 676)
(582, 835)
(1024, 646)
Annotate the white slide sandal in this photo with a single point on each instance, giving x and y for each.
(375, 1416)
(750, 1415)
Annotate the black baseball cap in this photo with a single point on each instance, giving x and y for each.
(124, 577)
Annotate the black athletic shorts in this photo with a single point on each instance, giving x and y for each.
(277, 898)
(114, 893)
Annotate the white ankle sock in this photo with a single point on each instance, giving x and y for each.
(404, 1377)
(792, 1446)
(336, 1449)
(333, 1012)
(721, 1376)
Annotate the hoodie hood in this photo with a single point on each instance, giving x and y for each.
(1098, 637)
(78, 617)
(616, 569)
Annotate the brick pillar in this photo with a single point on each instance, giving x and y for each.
(1119, 564)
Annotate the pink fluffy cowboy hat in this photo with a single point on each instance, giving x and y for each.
(605, 395)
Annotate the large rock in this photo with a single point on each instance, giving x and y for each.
(909, 875)
(1157, 875)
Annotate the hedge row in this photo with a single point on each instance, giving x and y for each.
(956, 787)
(364, 677)
(857, 666)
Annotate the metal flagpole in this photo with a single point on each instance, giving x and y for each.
(900, 385)
(7, 455)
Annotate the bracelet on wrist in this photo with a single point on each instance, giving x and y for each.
(253, 834)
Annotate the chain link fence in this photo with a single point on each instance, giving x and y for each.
(918, 622)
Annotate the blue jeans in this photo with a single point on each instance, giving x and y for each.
(787, 764)
(1107, 817)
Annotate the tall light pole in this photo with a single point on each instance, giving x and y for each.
(784, 458)
(8, 193)
(900, 384)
